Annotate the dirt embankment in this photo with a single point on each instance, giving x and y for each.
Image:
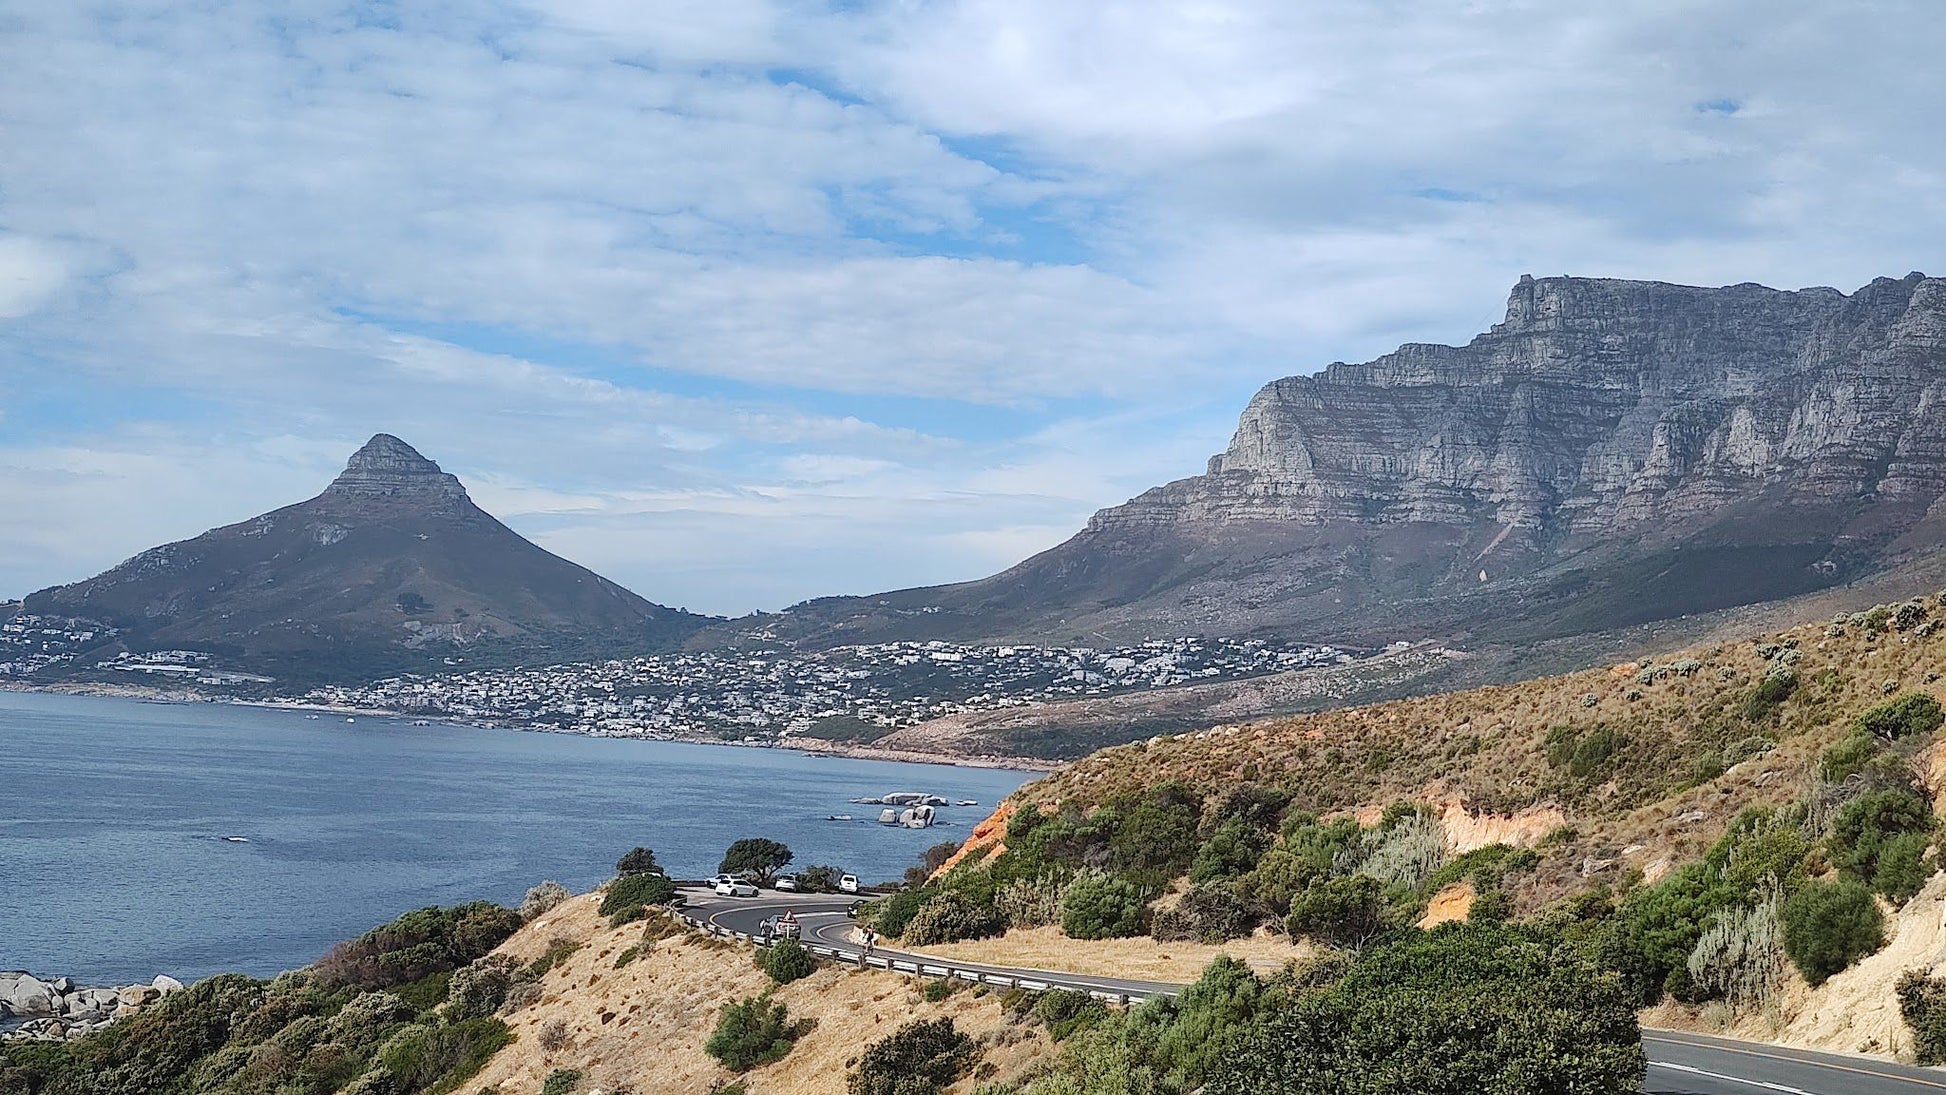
(642, 1027)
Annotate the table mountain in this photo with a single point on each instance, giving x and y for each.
(392, 567)
(1614, 452)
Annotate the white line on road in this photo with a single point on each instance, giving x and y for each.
(1765, 1084)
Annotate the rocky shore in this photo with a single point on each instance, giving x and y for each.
(58, 1009)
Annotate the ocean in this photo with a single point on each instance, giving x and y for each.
(114, 814)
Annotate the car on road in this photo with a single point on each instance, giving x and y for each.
(785, 885)
(735, 887)
(781, 927)
(856, 908)
(715, 880)
(848, 884)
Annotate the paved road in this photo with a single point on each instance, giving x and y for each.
(1679, 1063)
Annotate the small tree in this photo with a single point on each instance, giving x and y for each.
(1830, 925)
(753, 1031)
(1342, 911)
(542, 899)
(950, 917)
(758, 856)
(820, 878)
(628, 896)
(637, 860)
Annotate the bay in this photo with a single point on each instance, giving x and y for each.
(114, 865)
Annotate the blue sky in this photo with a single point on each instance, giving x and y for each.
(744, 302)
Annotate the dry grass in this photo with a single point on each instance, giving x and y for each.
(643, 1026)
(1140, 959)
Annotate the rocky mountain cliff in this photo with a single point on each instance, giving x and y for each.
(391, 567)
(1614, 452)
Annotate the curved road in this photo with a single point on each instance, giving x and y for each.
(1679, 1063)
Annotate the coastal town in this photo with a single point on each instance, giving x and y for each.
(768, 694)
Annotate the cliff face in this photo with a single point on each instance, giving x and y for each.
(391, 567)
(1613, 452)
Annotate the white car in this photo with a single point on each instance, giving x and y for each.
(785, 885)
(716, 880)
(734, 887)
(848, 884)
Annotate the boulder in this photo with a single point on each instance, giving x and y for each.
(62, 985)
(137, 995)
(30, 996)
(165, 983)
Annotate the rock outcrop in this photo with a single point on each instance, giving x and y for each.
(59, 1009)
(392, 567)
(1614, 452)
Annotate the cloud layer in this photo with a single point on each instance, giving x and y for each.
(746, 302)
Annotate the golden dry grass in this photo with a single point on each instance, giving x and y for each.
(643, 1026)
(1140, 959)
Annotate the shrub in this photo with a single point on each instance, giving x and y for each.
(555, 1036)
(930, 861)
(1584, 753)
(1030, 902)
(753, 1031)
(921, 1058)
(1231, 851)
(1406, 854)
(755, 855)
(542, 899)
(561, 1081)
(1830, 925)
(423, 1056)
(786, 960)
(1154, 831)
(1862, 827)
(1189, 1035)
(890, 915)
(1903, 716)
(1344, 912)
(1903, 868)
(1210, 913)
(1845, 759)
(1101, 906)
(1776, 687)
(1740, 956)
(630, 893)
(420, 943)
(1659, 926)
(558, 950)
(637, 860)
(1065, 1011)
(479, 989)
(819, 878)
(1922, 1004)
(1461, 1009)
(950, 917)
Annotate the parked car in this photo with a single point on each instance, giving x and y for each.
(786, 885)
(848, 884)
(715, 880)
(735, 887)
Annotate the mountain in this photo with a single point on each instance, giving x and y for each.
(392, 567)
(1613, 453)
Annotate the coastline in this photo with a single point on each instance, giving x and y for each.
(806, 746)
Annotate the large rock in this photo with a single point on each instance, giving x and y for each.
(137, 995)
(30, 996)
(165, 984)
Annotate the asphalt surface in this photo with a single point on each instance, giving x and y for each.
(1679, 1063)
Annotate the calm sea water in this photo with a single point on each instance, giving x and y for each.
(113, 865)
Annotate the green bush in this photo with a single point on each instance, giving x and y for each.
(921, 1058)
(1585, 753)
(1209, 913)
(819, 878)
(557, 951)
(1231, 852)
(1922, 1004)
(1658, 928)
(1345, 912)
(426, 1056)
(631, 892)
(420, 943)
(1065, 1011)
(1770, 693)
(1461, 1009)
(1184, 1039)
(1101, 906)
(1845, 759)
(786, 960)
(890, 915)
(753, 1031)
(1862, 827)
(950, 917)
(561, 1081)
(1830, 925)
(1903, 716)
(479, 989)
(1903, 867)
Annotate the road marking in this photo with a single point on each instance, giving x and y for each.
(1660, 1036)
(1787, 1090)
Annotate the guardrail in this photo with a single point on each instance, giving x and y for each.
(931, 969)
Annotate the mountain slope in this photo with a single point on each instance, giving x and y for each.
(390, 567)
(1613, 453)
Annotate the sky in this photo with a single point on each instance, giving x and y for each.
(742, 302)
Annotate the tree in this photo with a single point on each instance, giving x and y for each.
(757, 856)
(1101, 906)
(819, 878)
(1344, 912)
(1830, 925)
(1865, 827)
(638, 860)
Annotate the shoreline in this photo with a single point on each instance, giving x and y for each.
(810, 747)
